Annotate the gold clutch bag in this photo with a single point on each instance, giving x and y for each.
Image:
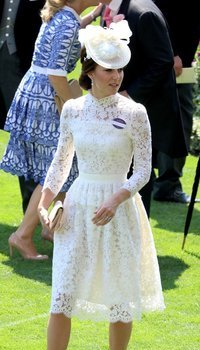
(76, 91)
(55, 215)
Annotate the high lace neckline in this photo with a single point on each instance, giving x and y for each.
(105, 101)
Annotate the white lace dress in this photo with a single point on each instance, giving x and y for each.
(109, 272)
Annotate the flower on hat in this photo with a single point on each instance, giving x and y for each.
(107, 46)
(101, 44)
(121, 29)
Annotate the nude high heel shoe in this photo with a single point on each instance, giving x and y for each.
(17, 243)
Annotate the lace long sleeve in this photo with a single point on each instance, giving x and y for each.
(61, 164)
(140, 133)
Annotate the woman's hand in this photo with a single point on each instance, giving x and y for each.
(46, 199)
(44, 217)
(105, 213)
(91, 16)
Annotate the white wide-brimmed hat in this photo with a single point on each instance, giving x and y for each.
(108, 47)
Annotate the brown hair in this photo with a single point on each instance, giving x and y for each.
(51, 7)
(88, 65)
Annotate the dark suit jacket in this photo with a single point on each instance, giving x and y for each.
(149, 76)
(183, 19)
(26, 29)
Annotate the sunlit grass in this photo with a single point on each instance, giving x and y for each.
(25, 286)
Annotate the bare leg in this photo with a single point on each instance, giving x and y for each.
(58, 333)
(31, 219)
(119, 335)
(22, 238)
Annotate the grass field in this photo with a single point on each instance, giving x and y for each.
(25, 286)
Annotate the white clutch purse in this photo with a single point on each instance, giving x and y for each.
(55, 215)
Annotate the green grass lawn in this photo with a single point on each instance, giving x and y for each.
(25, 286)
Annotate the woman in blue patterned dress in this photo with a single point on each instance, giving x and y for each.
(33, 118)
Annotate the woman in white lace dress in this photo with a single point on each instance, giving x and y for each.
(104, 263)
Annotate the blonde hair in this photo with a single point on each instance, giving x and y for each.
(51, 7)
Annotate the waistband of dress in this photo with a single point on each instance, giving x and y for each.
(104, 178)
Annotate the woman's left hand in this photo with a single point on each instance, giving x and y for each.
(105, 213)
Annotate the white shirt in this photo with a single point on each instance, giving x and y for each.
(114, 6)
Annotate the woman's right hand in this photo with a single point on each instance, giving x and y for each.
(44, 203)
(44, 216)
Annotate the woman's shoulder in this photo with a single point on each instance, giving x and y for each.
(132, 112)
(74, 103)
(66, 14)
(127, 103)
(72, 111)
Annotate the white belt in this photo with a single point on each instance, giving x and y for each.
(105, 178)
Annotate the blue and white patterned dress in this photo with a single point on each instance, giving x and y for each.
(33, 119)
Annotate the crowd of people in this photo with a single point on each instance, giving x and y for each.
(102, 151)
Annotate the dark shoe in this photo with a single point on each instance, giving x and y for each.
(176, 196)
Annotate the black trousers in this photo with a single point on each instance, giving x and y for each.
(10, 77)
(171, 170)
(26, 187)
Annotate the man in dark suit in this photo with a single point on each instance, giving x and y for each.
(19, 26)
(150, 80)
(184, 28)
